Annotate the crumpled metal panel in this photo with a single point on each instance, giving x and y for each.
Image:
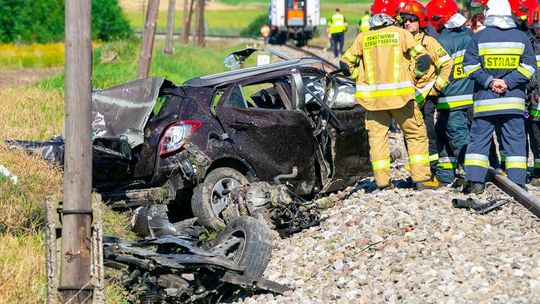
(124, 110)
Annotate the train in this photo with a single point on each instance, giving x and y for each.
(293, 19)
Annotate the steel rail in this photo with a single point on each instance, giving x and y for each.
(311, 54)
(529, 201)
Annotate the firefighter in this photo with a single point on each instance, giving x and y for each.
(379, 60)
(338, 26)
(500, 59)
(430, 84)
(452, 126)
(533, 123)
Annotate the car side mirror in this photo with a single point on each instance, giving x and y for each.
(232, 62)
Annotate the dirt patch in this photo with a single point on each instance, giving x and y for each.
(137, 5)
(18, 77)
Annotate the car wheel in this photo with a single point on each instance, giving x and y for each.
(247, 242)
(212, 196)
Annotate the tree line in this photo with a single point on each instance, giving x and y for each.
(42, 21)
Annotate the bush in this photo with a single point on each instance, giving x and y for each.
(42, 21)
(254, 28)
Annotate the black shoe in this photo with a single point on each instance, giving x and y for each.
(473, 188)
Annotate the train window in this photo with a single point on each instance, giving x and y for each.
(296, 4)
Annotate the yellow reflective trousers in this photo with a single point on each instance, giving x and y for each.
(411, 123)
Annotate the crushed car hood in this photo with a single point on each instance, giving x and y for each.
(123, 110)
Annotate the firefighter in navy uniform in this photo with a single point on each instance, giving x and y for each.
(500, 59)
(452, 125)
(533, 123)
(431, 83)
(379, 60)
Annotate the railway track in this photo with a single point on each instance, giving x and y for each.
(312, 54)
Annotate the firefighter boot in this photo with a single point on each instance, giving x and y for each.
(433, 184)
(473, 188)
(535, 182)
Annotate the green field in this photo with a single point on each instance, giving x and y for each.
(218, 22)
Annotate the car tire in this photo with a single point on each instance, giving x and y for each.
(207, 202)
(246, 241)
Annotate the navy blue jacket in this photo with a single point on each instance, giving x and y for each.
(534, 88)
(496, 53)
(458, 93)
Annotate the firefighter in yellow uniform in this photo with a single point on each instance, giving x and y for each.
(380, 60)
(429, 85)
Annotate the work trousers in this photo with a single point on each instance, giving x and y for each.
(512, 128)
(533, 130)
(428, 112)
(412, 125)
(452, 130)
(338, 40)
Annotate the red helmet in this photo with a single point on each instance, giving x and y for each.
(417, 9)
(401, 3)
(522, 8)
(533, 20)
(440, 11)
(478, 3)
(388, 7)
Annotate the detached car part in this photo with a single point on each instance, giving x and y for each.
(173, 269)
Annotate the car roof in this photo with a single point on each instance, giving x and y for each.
(215, 79)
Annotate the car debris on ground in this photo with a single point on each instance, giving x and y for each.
(177, 269)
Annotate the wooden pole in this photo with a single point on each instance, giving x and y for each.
(170, 28)
(200, 27)
(190, 15)
(185, 22)
(75, 274)
(149, 32)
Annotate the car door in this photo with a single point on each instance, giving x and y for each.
(264, 130)
(343, 142)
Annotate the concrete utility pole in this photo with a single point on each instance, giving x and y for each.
(75, 285)
(200, 27)
(149, 32)
(170, 28)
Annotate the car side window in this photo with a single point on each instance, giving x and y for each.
(315, 86)
(236, 98)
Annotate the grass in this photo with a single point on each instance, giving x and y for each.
(218, 22)
(36, 112)
(31, 56)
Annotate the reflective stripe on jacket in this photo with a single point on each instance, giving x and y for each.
(337, 24)
(458, 93)
(496, 53)
(436, 77)
(382, 57)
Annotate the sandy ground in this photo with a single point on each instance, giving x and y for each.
(137, 5)
(18, 77)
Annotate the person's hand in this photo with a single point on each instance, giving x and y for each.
(499, 86)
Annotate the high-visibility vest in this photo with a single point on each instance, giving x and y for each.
(338, 24)
(364, 23)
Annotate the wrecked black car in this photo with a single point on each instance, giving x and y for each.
(290, 122)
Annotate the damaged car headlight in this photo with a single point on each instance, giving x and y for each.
(176, 135)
